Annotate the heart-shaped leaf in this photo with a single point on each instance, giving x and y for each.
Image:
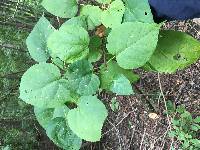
(137, 10)
(93, 15)
(61, 8)
(87, 119)
(37, 40)
(42, 86)
(138, 44)
(72, 44)
(81, 80)
(122, 86)
(175, 51)
(113, 15)
(57, 129)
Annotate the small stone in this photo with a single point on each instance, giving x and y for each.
(153, 116)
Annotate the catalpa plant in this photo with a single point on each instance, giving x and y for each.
(96, 49)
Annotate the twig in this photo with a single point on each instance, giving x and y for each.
(142, 139)
(161, 90)
(116, 134)
(118, 123)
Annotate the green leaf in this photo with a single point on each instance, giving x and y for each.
(6, 148)
(122, 86)
(170, 107)
(95, 52)
(88, 85)
(197, 119)
(196, 142)
(114, 105)
(181, 109)
(57, 129)
(81, 80)
(186, 144)
(37, 40)
(42, 86)
(45, 115)
(181, 136)
(72, 44)
(137, 10)
(111, 71)
(175, 51)
(186, 114)
(133, 43)
(195, 127)
(94, 55)
(176, 122)
(79, 20)
(61, 8)
(93, 15)
(112, 17)
(104, 1)
(87, 120)
(95, 42)
(172, 134)
(58, 62)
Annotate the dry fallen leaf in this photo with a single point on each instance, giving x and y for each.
(153, 116)
(100, 31)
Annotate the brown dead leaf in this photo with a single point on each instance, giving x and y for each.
(100, 32)
(153, 116)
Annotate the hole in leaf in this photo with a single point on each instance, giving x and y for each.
(71, 105)
(146, 13)
(177, 57)
(185, 59)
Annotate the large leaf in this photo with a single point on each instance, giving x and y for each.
(42, 86)
(61, 8)
(79, 20)
(37, 40)
(137, 10)
(113, 15)
(175, 51)
(93, 15)
(122, 86)
(112, 71)
(80, 78)
(87, 120)
(57, 129)
(72, 44)
(133, 43)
